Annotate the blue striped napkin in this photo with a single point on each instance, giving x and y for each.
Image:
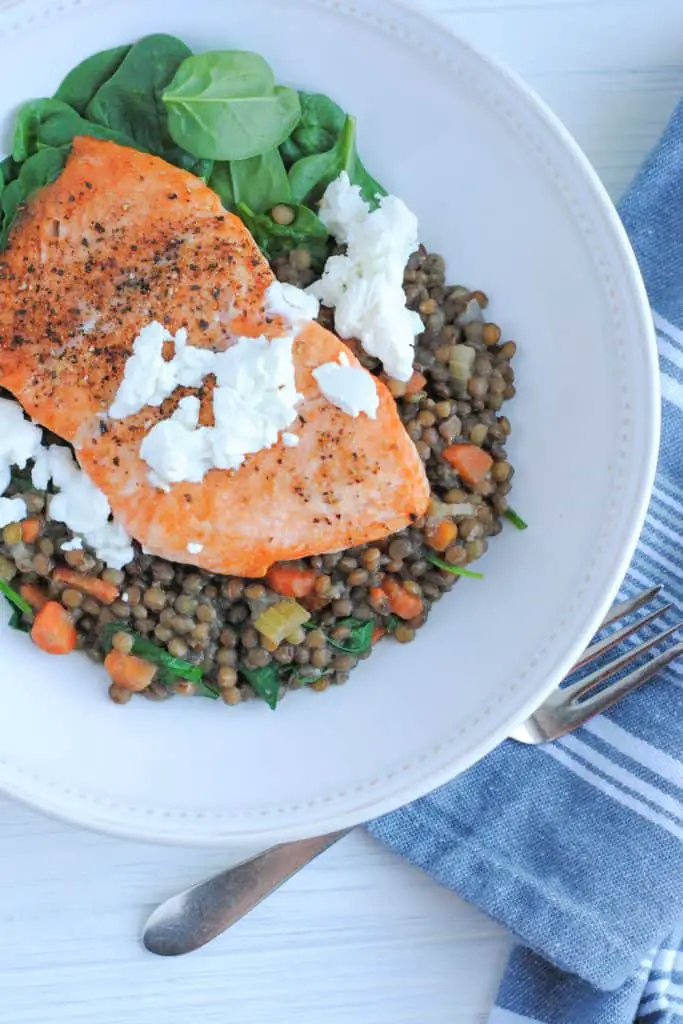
(577, 847)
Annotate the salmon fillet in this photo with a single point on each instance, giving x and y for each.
(120, 239)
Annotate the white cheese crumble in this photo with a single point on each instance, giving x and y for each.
(149, 379)
(84, 508)
(293, 304)
(20, 440)
(351, 388)
(290, 440)
(194, 548)
(255, 398)
(12, 510)
(76, 544)
(365, 284)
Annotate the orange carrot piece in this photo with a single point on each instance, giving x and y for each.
(30, 530)
(377, 634)
(129, 671)
(416, 383)
(441, 535)
(34, 594)
(105, 593)
(290, 581)
(52, 630)
(401, 601)
(470, 462)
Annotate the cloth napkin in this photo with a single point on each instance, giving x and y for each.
(577, 846)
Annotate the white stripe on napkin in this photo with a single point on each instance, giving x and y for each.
(499, 1016)
(663, 986)
(644, 753)
(623, 776)
(658, 1003)
(664, 326)
(606, 787)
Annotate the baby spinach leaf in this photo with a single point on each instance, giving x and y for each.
(51, 123)
(17, 620)
(181, 158)
(306, 231)
(265, 682)
(15, 598)
(82, 82)
(224, 105)
(170, 669)
(42, 168)
(310, 176)
(130, 100)
(321, 124)
(259, 182)
(360, 638)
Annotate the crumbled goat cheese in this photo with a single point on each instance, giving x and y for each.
(194, 548)
(289, 440)
(12, 510)
(293, 304)
(255, 398)
(82, 506)
(351, 388)
(20, 440)
(76, 544)
(365, 284)
(149, 379)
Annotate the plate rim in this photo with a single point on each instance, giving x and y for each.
(174, 827)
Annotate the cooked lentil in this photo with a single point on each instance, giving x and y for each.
(207, 620)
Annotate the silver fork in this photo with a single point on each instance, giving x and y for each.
(194, 917)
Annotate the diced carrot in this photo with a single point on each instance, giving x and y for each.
(378, 600)
(377, 634)
(402, 602)
(105, 593)
(129, 671)
(53, 630)
(470, 462)
(441, 535)
(30, 529)
(416, 383)
(34, 594)
(290, 581)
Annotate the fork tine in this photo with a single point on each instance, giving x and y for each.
(602, 646)
(603, 700)
(624, 608)
(571, 693)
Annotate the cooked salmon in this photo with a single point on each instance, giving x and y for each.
(120, 239)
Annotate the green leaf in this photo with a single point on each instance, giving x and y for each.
(40, 169)
(52, 124)
(130, 100)
(221, 182)
(265, 682)
(321, 124)
(515, 519)
(306, 231)
(224, 105)
(181, 158)
(82, 82)
(16, 619)
(15, 599)
(170, 669)
(360, 639)
(455, 570)
(260, 182)
(310, 176)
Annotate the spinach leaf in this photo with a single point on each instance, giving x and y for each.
(321, 124)
(265, 682)
(130, 100)
(306, 231)
(14, 598)
(360, 639)
(82, 82)
(40, 169)
(170, 669)
(17, 620)
(259, 182)
(202, 168)
(515, 518)
(51, 123)
(310, 176)
(454, 570)
(224, 105)
(8, 171)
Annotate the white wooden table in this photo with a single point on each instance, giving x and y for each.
(358, 936)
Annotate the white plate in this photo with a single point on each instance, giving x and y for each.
(504, 193)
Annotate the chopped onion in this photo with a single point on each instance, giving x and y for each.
(461, 363)
(462, 508)
(439, 510)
